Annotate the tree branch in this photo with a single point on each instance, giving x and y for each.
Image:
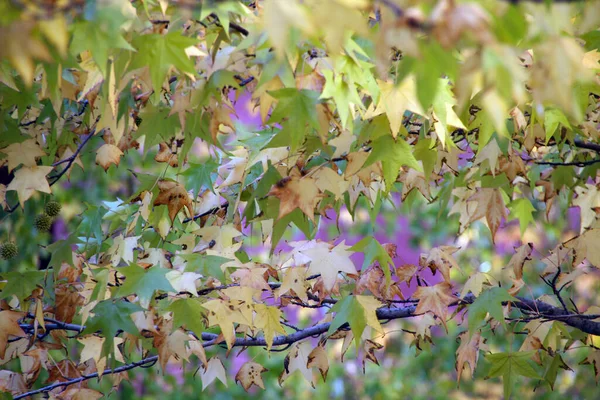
(587, 145)
(82, 378)
(543, 310)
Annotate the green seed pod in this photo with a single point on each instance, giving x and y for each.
(43, 222)
(53, 208)
(8, 250)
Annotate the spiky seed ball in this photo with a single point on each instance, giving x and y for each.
(53, 208)
(8, 250)
(43, 222)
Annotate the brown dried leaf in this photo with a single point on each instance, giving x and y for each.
(294, 192)
(467, 353)
(435, 299)
(174, 196)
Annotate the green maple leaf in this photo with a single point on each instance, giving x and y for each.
(358, 312)
(426, 151)
(343, 92)
(489, 301)
(206, 265)
(510, 366)
(297, 108)
(100, 35)
(144, 282)
(522, 209)
(21, 284)
(162, 52)
(188, 313)
(111, 317)
(199, 175)
(552, 119)
(393, 153)
(552, 371)
(62, 251)
(157, 125)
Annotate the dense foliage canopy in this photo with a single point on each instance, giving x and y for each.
(168, 169)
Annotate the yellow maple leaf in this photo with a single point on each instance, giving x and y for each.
(394, 100)
(23, 153)
(27, 180)
(328, 179)
(107, 155)
(267, 319)
(294, 280)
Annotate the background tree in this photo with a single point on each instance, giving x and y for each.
(252, 161)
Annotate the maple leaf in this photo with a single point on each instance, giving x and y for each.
(187, 313)
(440, 259)
(250, 374)
(27, 180)
(293, 193)
(9, 326)
(593, 359)
(358, 311)
(23, 153)
(393, 153)
(252, 277)
(161, 53)
(490, 153)
(213, 370)
(588, 200)
(221, 313)
(510, 366)
(174, 196)
(394, 101)
(516, 263)
(12, 382)
(318, 358)
(92, 349)
(585, 246)
(297, 360)
(467, 353)
(328, 262)
(475, 284)
(111, 317)
(268, 319)
(436, 300)
(327, 179)
(144, 282)
(294, 280)
(490, 301)
(490, 205)
(370, 347)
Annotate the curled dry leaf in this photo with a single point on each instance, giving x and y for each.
(370, 347)
(174, 196)
(166, 155)
(467, 353)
